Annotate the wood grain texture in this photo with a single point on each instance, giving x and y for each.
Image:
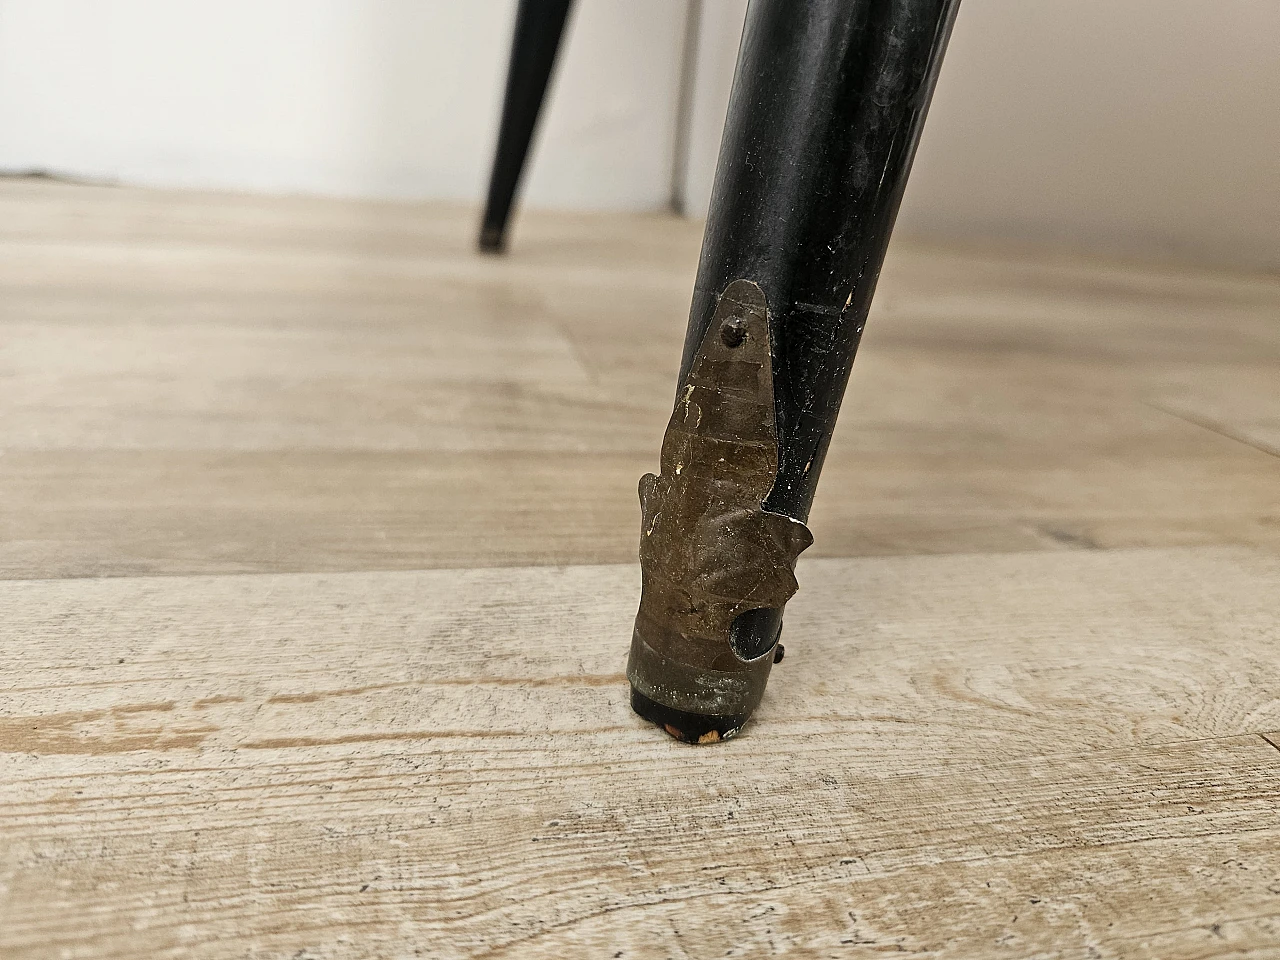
(198, 384)
(960, 756)
(390, 719)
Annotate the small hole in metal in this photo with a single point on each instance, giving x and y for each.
(733, 332)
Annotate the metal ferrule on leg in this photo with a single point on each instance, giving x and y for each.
(709, 551)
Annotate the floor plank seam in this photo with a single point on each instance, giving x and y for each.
(1213, 426)
(1216, 545)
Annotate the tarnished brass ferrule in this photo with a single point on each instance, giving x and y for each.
(712, 558)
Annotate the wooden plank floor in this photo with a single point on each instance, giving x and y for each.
(316, 577)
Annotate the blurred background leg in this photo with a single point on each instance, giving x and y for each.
(539, 27)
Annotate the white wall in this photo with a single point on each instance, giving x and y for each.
(1149, 127)
(718, 37)
(1143, 127)
(395, 98)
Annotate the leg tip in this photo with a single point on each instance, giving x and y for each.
(492, 240)
(695, 728)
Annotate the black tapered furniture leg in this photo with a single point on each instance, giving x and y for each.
(826, 111)
(539, 27)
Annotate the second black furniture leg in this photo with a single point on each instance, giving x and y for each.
(539, 27)
(826, 111)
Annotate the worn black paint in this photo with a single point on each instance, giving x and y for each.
(827, 108)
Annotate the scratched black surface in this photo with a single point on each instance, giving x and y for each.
(823, 123)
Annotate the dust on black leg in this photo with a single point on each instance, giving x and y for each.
(697, 728)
